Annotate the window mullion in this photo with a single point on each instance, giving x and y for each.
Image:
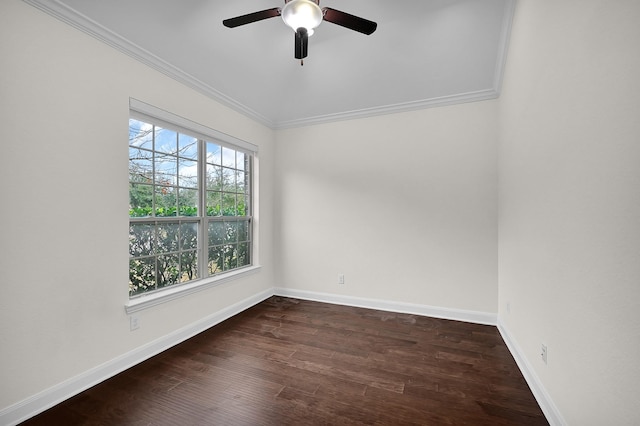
(202, 209)
(153, 171)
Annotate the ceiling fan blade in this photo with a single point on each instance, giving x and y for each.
(347, 20)
(302, 43)
(251, 17)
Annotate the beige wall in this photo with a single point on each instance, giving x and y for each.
(403, 205)
(570, 203)
(64, 105)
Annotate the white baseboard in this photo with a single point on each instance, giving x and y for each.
(35, 404)
(46, 399)
(476, 317)
(541, 395)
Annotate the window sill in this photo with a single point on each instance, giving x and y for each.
(147, 301)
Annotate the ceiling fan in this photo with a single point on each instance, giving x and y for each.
(303, 16)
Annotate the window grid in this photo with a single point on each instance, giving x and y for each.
(190, 208)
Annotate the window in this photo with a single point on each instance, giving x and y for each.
(190, 204)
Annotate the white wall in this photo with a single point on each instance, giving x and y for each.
(570, 203)
(64, 100)
(403, 205)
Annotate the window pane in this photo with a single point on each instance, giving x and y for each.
(167, 237)
(187, 173)
(214, 203)
(188, 266)
(229, 204)
(243, 205)
(189, 236)
(140, 134)
(243, 254)
(228, 157)
(230, 259)
(217, 233)
(140, 200)
(140, 165)
(187, 147)
(228, 180)
(240, 181)
(166, 168)
(214, 154)
(231, 232)
(243, 230)
(141, 239)
(215, 258)
(214, 177)
(168, 269)
(142, 275)
(240, 206)
(188, 202)
(166, 141)
(165, 201)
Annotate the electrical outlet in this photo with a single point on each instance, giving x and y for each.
(543, 353)
(340, 279)
(134, 322)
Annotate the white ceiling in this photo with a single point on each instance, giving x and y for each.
(424, 53)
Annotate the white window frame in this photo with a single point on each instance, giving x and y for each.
(145, 112)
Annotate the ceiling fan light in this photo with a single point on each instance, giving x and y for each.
(302, 14)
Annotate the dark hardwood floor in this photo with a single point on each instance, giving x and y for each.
(294, 362)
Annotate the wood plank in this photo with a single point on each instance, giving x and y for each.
(290, 362)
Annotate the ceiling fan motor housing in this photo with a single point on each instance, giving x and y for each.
(302, 14)
(315, 1)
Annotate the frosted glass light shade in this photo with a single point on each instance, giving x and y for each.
(302, 14)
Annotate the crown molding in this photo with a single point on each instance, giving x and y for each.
(480, 95)
(85, 24)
